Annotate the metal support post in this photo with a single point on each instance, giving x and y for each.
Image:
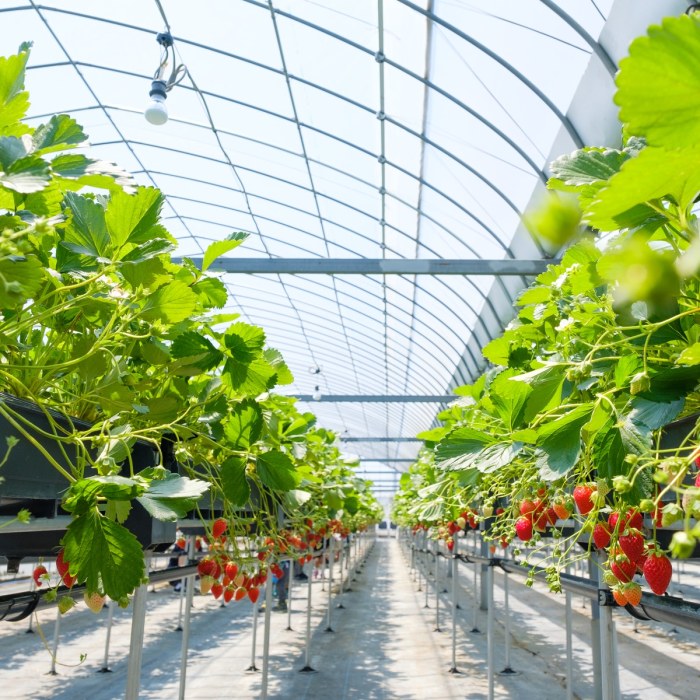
(290, 575)
(329, 627)
(187, 584)
(454, 569)
(323, 565)
(307, 652)
(253, 668)
(437, 587)
(569, 647)
(595, 634)
(484, 603)
(507, 670)
(608, 666)
(475, 602)
(266, 639)
(54, 648)
(490, 641)
(138, 626)
(179, 612)
(340, 577)
(105, 661)
(32, 586)
(425, 572)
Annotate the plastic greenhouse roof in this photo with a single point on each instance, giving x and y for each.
(338, 129)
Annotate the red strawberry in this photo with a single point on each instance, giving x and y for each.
(526, 507)
(523, 528)
(94, 601)
(450, 544)
(206, 567)
(62, 566)
(219, 527)
(231, 570)
(632, 544)
(228, 594)
(623, 569)
(632, 518)
(697, 478)
(601, 536)
(39, 574)
(252, 593)
(658, 572)
(582, 498)
(217, 590)
(181, 543)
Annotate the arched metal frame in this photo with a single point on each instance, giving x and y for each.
(372, 350)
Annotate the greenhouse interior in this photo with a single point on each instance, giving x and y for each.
(347, 351)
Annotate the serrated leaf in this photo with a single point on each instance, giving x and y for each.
(234, 482)
(170, 303)
(434, 435)
(19, 280)
(14, 102)
(585, 167)
(86, 227)
(173, 497)
(212, 292)
(546, 384)
(251, 378)
(131, 217)
(296, 498)
(244, 425)
(651, 105)
(651, 415)
(25, 175)
(276, 470)
(89, 172)
(198, 349)
(559, 443)
(148, 250)
(60, 132)
(244, 341)
(463, 441)
(276, 361)
(509, 398)
(103, 554)
(219, 248)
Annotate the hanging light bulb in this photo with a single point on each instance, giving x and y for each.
(316, 396)
(156, 112)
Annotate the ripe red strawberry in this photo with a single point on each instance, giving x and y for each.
(276, 571)
(582, 497)
(526, 507)
(545, 518)
(217, 590)
(231, 570)
(632, 518)
(39, 575)
(562, 510)
(632, 544)
(228, 594)
(62, 566)
(633, 593)
(658, 572)
(219, 527)
(206, 567)
(697, 478)
(623, 569)
(206, 583)
(94, 601)
(619, 596)
(450, 544)
(601, 535)
(240, 593)
(523, 528)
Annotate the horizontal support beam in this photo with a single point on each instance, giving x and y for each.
(386, 459)
(379, 439)
(374, 266)
(370, 398)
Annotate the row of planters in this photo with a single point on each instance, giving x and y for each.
(128, 397)
(584, 427)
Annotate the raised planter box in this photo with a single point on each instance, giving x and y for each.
(30, 481)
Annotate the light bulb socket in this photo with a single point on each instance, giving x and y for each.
(159, 89)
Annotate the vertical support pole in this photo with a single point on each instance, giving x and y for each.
(569, 647)
(484, 551)
(490, 641)
(32, 586)
(507, 669)
(266, 638)
(454, 568)
(307, 651)
(595, 634)
(323, 565)
(182, 598)
(105, 661)
(425, 572)
(437, 587)
(475, 601)
(138, 626)
(608, 666)
(340, 577)
(290, 579)
(188, 585)
(329, 627)
(253, 668)
(54, 647)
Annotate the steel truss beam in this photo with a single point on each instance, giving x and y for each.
(368, 266)
(369, 398)
(379, 439)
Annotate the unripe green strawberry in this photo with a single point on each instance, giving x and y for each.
(94, 601)
(610, 578)
(65, 603)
